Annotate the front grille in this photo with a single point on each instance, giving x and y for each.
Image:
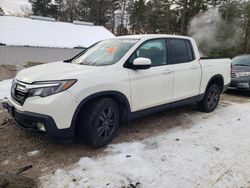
(234, 75)
(19, 92)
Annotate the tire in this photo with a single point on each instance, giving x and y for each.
(211, 99)
(99, 122)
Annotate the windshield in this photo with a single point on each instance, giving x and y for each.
(243, 60)
(106, 52)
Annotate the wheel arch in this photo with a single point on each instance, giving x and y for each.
(118, 97)
(216, 79)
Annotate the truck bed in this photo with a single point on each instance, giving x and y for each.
(215, 66)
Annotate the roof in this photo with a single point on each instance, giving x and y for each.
(151, 36)
(242, 55)
(18, 31)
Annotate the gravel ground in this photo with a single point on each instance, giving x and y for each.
(25, 156)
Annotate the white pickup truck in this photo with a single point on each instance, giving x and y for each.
(115, 80)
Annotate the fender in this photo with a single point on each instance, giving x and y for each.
(217, 76)
(113, 94)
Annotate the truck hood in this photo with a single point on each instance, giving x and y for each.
(54, 71)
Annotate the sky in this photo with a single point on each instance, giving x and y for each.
(13, 6)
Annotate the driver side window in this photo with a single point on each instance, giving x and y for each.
(155, 50)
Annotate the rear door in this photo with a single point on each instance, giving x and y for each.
(153, 86)
(187, 70)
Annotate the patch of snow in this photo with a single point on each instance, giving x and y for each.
(213, 152)
(5, 162)
(33, 153)
(5, 86)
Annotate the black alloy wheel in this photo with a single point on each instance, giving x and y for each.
(99, 122)
(211, 99)
(107, 120)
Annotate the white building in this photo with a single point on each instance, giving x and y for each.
(42, 40)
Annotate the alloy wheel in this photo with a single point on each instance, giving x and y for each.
(107, 122)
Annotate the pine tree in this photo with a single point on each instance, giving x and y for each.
(84, 13)
(124, 11)
(111, 14)
(72, 10)
(61, 7)
(187, 9)
(41, 7)
(138, 17)
(246, 12)
(159, 16)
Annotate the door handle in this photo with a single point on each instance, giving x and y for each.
(194, 67)
(168, 71)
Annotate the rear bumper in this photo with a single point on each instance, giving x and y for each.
(240, 83)
(32, 121)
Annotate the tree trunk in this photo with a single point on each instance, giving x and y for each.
(113, 21)
(122, 16)
(247, 37)
(184, 18)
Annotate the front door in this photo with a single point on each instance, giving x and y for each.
(153, 86)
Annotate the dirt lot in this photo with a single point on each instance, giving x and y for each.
(25, 156)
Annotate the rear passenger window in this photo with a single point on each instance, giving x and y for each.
(180, 53)
(190, 51)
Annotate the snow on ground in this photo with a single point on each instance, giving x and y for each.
(5, 86)
(213, 152)
(33, 153)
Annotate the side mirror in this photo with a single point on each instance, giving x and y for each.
(142, 63)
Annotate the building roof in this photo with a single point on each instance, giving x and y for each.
(18, 31)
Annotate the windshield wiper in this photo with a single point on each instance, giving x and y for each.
(67, 61)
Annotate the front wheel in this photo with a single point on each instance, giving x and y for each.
(211, 99)
(99, 122)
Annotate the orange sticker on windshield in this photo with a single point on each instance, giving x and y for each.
(111, 50)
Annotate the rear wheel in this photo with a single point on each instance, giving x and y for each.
(211, 99)
(99, 122)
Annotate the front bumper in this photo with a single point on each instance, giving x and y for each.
(241, 83)
(34, 122)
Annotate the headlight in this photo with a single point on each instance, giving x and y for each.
(44, 89)
(241, 74)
